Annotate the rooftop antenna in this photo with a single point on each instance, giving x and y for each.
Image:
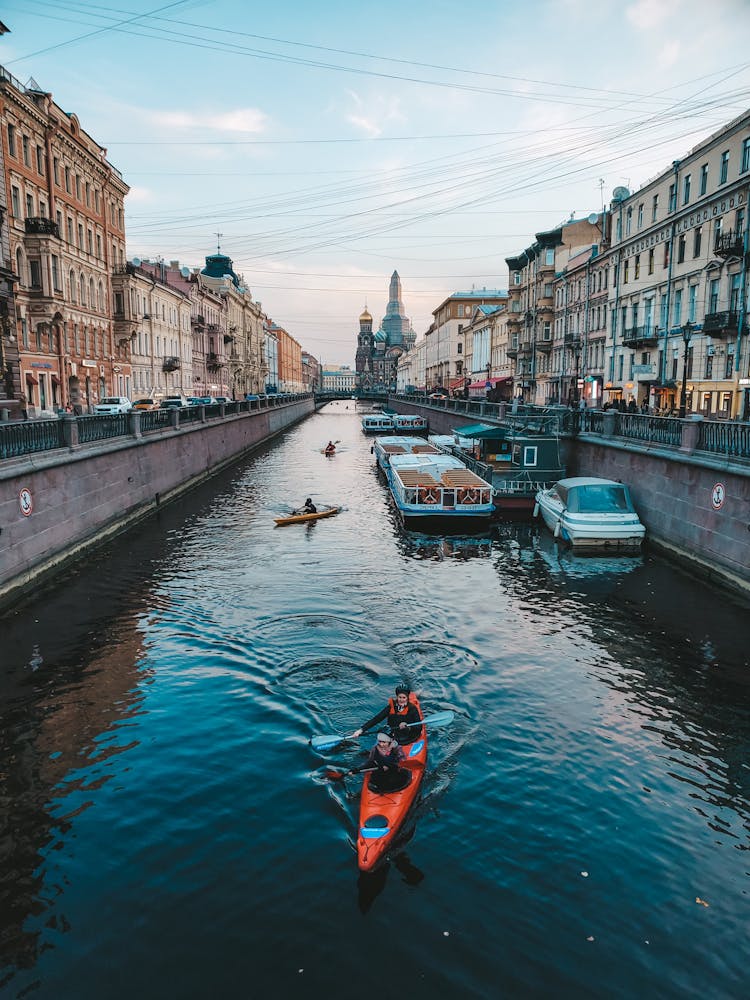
(218, 242)
(601, 191)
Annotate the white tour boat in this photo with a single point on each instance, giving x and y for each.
(384, 448)
(437, 487)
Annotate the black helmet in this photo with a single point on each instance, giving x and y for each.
(309, 500)
(403, 689)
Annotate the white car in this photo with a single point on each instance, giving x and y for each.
(113, 404)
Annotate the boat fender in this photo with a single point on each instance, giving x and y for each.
(536, 510)
(557, 529)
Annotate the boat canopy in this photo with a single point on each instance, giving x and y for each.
(481, 431)
(599, 498)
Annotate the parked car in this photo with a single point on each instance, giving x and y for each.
(169, 402)
(201, 400)
(145, 404)
(113, 404)
(222, 399)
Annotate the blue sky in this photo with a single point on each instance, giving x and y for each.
(331, 143)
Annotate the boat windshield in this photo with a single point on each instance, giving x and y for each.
(609, 498)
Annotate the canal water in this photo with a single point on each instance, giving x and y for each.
(167, 831)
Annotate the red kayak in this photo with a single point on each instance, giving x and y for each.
(381, 814)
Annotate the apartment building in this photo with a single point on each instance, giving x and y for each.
(65, 236)
(540, 352)
(444, 342)
(678, 282)
(289, 360)
(488, 372)
(152, 320)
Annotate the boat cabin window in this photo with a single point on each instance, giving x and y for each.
(530, 456)
(600, 499)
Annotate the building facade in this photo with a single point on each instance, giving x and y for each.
(444, 341)
(65, 236)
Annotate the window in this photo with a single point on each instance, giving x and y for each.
(70, 230)
(713, 296)
(98, 246)
(654, 207)
(666, 253)
(717, 230)
(29, 206)
(651, 261)
(618, 237)
(80, 236)
(692, 302)
(56, 170)
(12, 140)
(697, 235)
(745, 163)
(83, 292)
(40, 160)
(734, 292)
(78, 187)
(724, 167)
(35, 273)
(686, 189)
(677, 318)
(59, 221)
(72, 286)
(648, 315)
(709, 366)
(626, 272)
(26, 156)
(548, 290)
(628, 220)
(460, 349)
(88, 193)
(672, 197)
(681, 248)
(704, 178)
(15, 202)
(56, 273)
(739, 223)
(549, 256)
(640, 216)
(637, 267)
(728, 366)
(67, 179)
(89, 241)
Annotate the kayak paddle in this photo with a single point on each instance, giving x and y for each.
(329, 742)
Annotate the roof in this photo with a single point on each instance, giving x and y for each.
(480, 431)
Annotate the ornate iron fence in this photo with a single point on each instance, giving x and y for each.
(28, 436)
(99, 428)
(641, 427)
(154, 420)
(723, 438)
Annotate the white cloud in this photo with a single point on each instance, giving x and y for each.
(141, 195)
(645, 15)
(669, 54)
(239, 120)
(373, 115)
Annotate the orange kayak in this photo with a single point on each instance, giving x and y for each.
(300, 518)
(381, 815)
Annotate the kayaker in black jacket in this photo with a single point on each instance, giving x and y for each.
(386, 756)
(398, 712)
(309, 508)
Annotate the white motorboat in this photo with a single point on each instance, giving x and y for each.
(592, 513)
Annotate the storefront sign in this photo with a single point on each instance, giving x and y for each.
(86, 363)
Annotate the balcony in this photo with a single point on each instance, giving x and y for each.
(729, 244)
(636, 335)
(197, 321)
(170, 364)
(721, 324)
(41, 226)
(572, 340)
(213, 361)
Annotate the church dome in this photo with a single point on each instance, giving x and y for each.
(380, 337)
(365, 317)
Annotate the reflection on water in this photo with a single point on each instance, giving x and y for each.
(155, 711)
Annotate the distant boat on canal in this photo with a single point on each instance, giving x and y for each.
(377, 423)
(409, 423)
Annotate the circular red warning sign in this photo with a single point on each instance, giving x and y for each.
(718, 494)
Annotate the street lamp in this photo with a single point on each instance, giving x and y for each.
(687, 333)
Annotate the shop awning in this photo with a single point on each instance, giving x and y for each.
(482, 383)
(55, 379)
(457, 383)
(480, 431)
(31, 380)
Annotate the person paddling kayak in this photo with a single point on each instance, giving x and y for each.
(385, 757)
(330, 448)
(309, 508)
(399, 712)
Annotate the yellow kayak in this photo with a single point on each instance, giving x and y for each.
(299, 518)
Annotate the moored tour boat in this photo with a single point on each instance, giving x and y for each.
(411, 423)
(591, 513)
(300, 518)
(382, 814)
(437, 487)
(383, 448)
(377, 423)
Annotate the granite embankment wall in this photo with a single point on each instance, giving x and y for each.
(674, 491)
(83, 496)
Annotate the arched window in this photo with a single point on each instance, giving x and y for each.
(19, 267)
(83, 290)
(72, 283)
(92, 294)
(101, 297)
